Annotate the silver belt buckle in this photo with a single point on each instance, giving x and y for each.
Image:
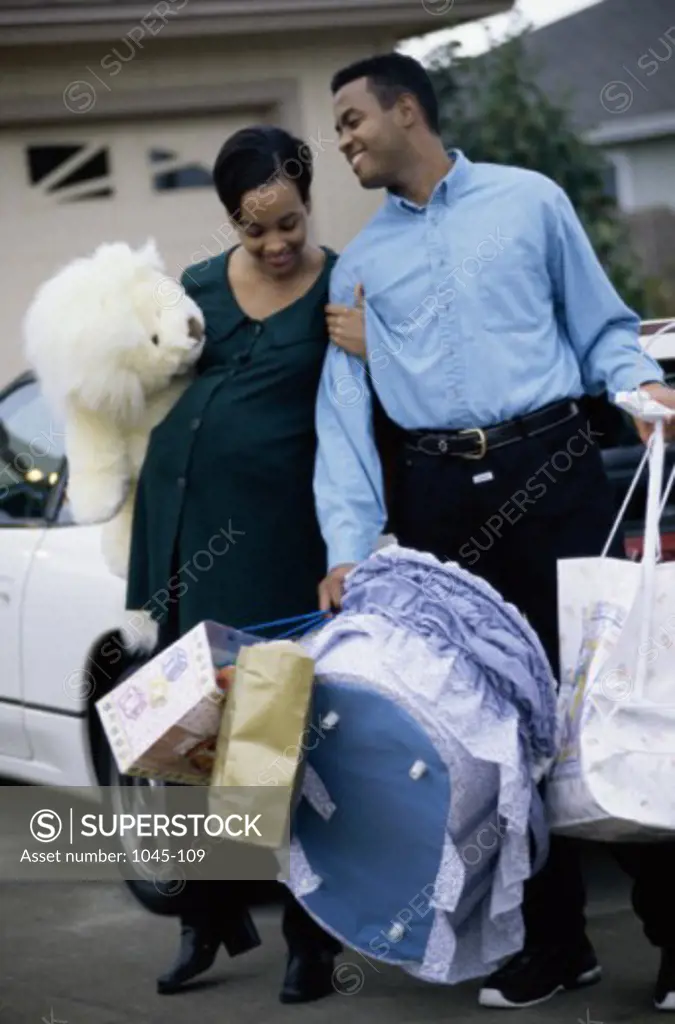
(483, 443)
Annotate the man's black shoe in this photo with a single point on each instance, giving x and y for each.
(308, 977)
(664, 994)
(536, 974)
(198, 950)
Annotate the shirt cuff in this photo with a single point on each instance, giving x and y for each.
(633, 377)
(348, 550)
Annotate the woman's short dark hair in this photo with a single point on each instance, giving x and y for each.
(257, 156)
(389, 75)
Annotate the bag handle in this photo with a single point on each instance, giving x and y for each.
(666, 493)
(631, 490)
(300, 624)
(622, 511)
(650, 550)
(657, 497)
(657, 458)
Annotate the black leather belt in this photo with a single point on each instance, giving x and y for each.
(476, 442)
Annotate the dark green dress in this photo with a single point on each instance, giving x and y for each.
(224, 525)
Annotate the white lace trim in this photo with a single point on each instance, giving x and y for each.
(316, 794)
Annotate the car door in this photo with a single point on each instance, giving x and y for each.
(71, 601)
(31, 452)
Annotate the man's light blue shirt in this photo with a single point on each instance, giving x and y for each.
(487, 303)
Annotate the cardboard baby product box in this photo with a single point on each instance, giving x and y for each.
(162, 722)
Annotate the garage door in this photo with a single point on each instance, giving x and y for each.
(65, 190)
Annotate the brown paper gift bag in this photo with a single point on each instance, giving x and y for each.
(259, 752)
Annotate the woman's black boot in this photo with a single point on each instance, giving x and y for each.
(200, 937)
(198, 950)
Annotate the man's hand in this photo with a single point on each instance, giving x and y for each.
(331, 587)
(347, 326)
(666, 396)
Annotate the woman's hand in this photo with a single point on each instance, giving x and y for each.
(347, 325)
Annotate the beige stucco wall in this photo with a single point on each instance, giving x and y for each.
(340, 205)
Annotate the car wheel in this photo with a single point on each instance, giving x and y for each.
(129, 795)
(153, 888)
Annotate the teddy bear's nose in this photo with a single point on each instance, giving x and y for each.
(195, 328)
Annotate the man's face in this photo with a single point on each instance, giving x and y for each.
(370, 137)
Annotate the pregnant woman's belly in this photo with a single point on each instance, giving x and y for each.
(218, 432)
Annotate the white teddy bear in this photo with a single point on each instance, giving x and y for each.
(112, 340)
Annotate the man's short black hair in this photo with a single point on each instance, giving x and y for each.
(389, 76)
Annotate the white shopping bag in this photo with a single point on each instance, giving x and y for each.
(614, 776)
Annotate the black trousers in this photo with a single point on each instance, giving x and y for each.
(221, 903)
(508, 518)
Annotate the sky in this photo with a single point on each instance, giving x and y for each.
(474, 38)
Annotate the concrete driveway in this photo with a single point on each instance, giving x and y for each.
(88, 954)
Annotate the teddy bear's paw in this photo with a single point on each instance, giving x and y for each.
(140, 633)
(96, 499)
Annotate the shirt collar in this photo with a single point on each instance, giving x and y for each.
(445, 190)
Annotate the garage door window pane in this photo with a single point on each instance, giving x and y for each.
(172, 172)
(93, 169)
(187, 177)
(42, 160)
(69, 173)
(31, 455)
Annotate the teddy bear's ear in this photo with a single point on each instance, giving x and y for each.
(150, 252)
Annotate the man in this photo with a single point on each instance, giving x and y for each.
(487, 315)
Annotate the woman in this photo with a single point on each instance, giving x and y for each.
(235, 459)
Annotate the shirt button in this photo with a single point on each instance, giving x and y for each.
(181, 481)
(257, 329)
(196, 423)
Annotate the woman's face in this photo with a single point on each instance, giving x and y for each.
(272, 227)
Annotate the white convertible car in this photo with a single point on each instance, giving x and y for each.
(60, 607)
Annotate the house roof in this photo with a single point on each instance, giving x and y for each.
(39, 21)
(614, 64)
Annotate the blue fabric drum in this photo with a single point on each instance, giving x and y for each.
(433, 720)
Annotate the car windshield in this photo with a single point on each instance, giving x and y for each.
(32, 446)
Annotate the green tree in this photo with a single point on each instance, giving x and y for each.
(494, 110)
